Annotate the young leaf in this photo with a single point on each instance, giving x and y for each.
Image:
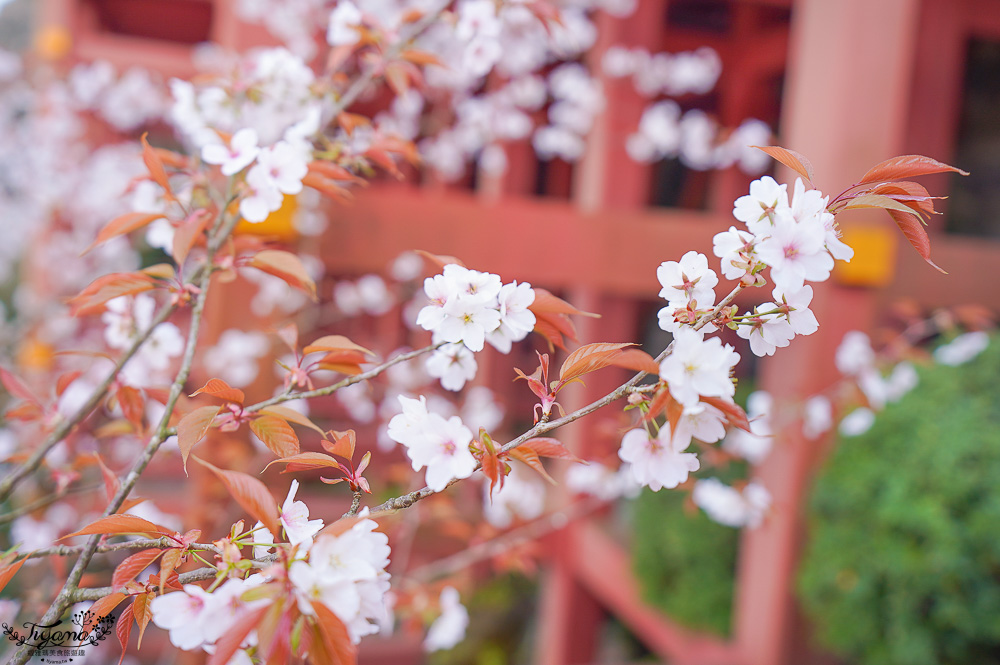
(913, 230)
(344, 445)
(276, 434)
(291, 415)
(530, 457)
(906, 166)
(331, 343)
(124, 629)
(102, 607)
(877, 201)
(154, 162)
(637, 361)
(187, 233)
(122, 524)
(132, 405)
(142, 611)
(192, 428)
(334, 171)
(793, 160)
(307, 461)
(127, 570)
(17, 388)
(222, 390)
(127, 223)
(589, 358)
(912, 194)
(7, 572)
(545, 446)
(108, 287)
(327, 187)
(251, 494)
(345, 362)
(333, 635)
(231, 640)
(286, 266)
(735, 414)
(439, 261)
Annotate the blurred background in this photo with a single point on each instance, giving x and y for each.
(880, 548)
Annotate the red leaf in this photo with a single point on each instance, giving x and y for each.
(912, 194)
(111, 482)
(17, 388)
(192, 428)
(906, 166)
(251, 494)
(909, 224)
(8, 572)
(334, 637)
(546, 446)
(231, 640)
(124, 629)
(589, 358)
(421, 58)
(876, 201)
(276, 434)
(142, 611)
(222, 390)
(127, 570)
(331, 343)
(289, 334)
(132, 405)
(169, 564)
(186, 234)
(793, 160)
(735, 414)
(327, 187)
(91, 300)
(102, 607)
(64, 381)
(546, 302)
(121, 524)
(121, 225)
(286, 266)
(334, 171)
(154, 163)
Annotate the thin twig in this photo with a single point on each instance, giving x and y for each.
(164, 542)
(21, 511)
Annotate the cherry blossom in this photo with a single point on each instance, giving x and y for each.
(757, 209)
(818, 418)
(960, 350)
(755, 445)
(855, 353)
(658, 462)
(728, 506)
(449, 628)
(698, 367)
(344, 18)
(240, 154)
(796, 252)
(453, 364)
(857, 422)
(442, 446)
(733, 247)
(521, 496)
(187, 615)
(686, 280)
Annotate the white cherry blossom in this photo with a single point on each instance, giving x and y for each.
(240, 153)
(698, 367)
(687, 279)
(449, 628)
(660, 462)
(453, 364)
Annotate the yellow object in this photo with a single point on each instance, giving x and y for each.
(35, 355)
(874, 262)
(278, 224)
(53, 42)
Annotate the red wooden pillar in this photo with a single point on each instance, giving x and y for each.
(845, 107)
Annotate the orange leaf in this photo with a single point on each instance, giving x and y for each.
(222, 390)
(250, 493)
(8, 572)
(439, 261)
(334, 171)
(142, 611)
(735, 414)
(546, 446)
(102, 607)
(349, 121)
(876, 201)
(127, 570)
(331, 343)
(124, 629)
(186, 234)
(344, 445)
(909, 224)
(108, 287)
(530, 457)
(286, 266)
(276, 434)
(333, 635)
(421, 58)
(154, 163)
(192, 428)
(327, 187)
(291, 415)
(121, 524)
(906, 166)
(171, 560)
(589, 358)
(912, 194)
(306, 462)
(546, 302)
(637, 361)
(17, 388)
(793, 160)
(231, 640)
(127, 223)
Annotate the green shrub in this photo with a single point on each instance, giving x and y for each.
(685, 563)
(903, 560)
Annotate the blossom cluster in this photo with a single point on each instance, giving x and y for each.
(467, 309)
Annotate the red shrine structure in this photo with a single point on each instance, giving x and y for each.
(847, 83)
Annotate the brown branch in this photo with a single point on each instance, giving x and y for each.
(44, 501)
(164, 542)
